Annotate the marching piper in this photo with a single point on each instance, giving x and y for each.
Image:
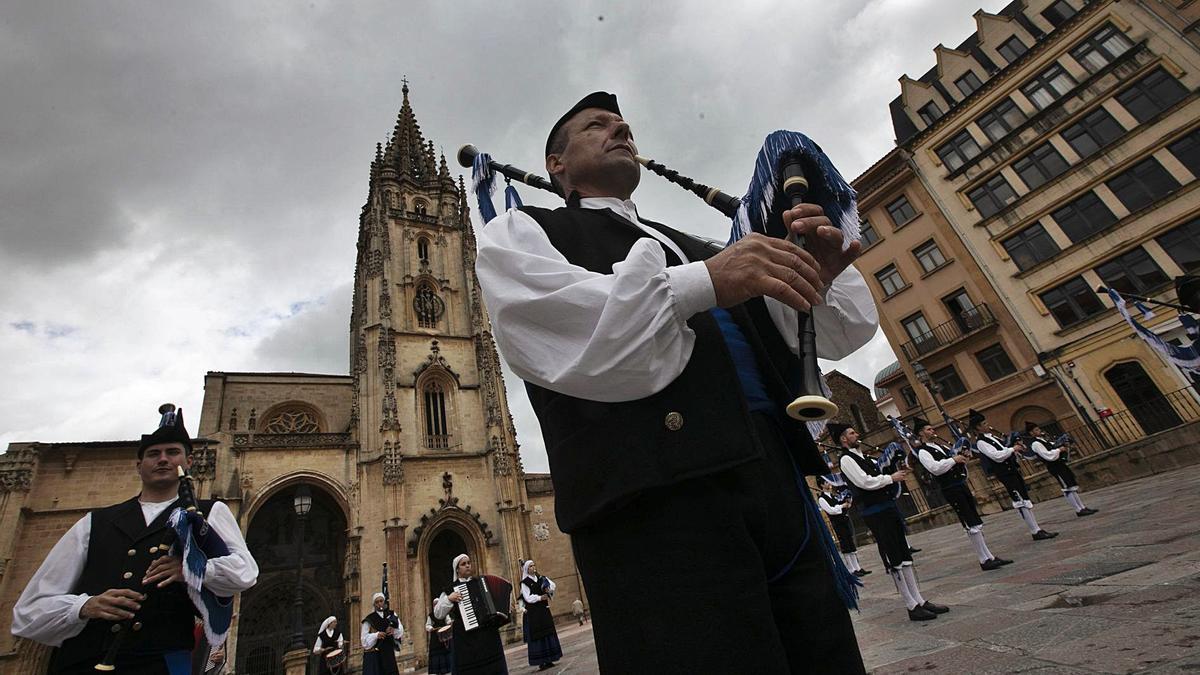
(437, 632)
(838, 510)
(950, 474)
(380, 635)
(536, 591)
(329, 638)
(475, 652)
(875, 493)
(1055, 459)
(1001, 462)
(107, 569)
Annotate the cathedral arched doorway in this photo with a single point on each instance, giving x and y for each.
(266, 623)
(443, 548)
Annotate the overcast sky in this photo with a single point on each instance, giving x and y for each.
(180, 183)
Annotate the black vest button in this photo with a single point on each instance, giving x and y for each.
(674, 421)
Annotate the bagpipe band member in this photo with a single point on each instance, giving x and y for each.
(536, 591)
(838, 510)
(1056, 465)
(949, 471)
(380, 634)
(1001, 462)
(475, 652)
(876, 498)
(329, 637)
(90, 579)
(439, 649)
(658, 375)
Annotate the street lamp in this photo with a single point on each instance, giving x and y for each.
(932, 387)
(301, 503)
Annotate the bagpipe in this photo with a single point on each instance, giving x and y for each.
(188, 537)
(392, 620)
(790, 168)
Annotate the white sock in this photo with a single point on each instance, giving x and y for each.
(980, 547)
(1030, 521)
(910, 580)
(1073, 497)
(909, 601)
(857, 565)
(848, 561)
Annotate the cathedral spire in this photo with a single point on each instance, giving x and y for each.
(406, 150)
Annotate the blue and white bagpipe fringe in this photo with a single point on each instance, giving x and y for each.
(483, 184)
(1187, 358)
(198, 542)
(838, 482)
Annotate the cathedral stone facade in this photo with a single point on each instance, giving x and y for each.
(409, 460)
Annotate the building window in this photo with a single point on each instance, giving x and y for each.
(889, 280)
(868, 235)
(437, 431)
(1030, 246)
(992, 196)
(1183, 245)
(1072, 302)
(1083, 217)
(1051, 85)
(1133, 272)
(292, 421)
(995, 362)
(1143, 184)
(421, 208)
(1040, 165)
(1151, 95)
(1058, 12)
(428, 306)
(1096, 130)
(909, 395)
(423, 250)
(917, 328)
(901, 211)
(949, 382)
(1187, 151)
(968, 83)
(958, 150)
(1001, 119)
(1101, 48)
(1012, 48)
(930, 112)
(929, 255)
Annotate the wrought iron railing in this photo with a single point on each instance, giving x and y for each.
(437, 441)
(967, 322)
(1151, 416)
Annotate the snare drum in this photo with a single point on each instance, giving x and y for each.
(335, 660)
(445, 633)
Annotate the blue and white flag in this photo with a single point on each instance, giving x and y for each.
(1187, 358)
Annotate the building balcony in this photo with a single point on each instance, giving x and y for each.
(969, 321)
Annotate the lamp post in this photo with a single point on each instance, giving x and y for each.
(302, 503)
(932, 387)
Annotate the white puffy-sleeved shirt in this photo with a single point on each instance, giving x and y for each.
(48, 612)
(936, 467)
(370, 637)
(854, 473)
(623, 336)
(828, 507)
(531, 598)
(996, 454)
(1044, 451)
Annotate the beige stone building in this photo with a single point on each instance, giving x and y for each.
(409, 460)
(1061, 142)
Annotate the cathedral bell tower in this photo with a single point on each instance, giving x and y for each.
(437, 454)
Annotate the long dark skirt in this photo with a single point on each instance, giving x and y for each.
(844, 530)
(440, 662)
(544, 650)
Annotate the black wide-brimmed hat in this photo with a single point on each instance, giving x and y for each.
(596, 99)
(170, 430)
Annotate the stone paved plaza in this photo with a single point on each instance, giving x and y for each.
(1116, 592)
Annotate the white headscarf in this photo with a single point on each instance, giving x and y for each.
(454, 565)
(377, 596)
(326, 622)
(525, 568)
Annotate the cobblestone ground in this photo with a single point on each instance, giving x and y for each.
(1117, 592)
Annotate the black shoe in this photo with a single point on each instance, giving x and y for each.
(546, 666)
(912, 550)
(1042, 534)
(1085, 512)
(919, 613)
(990, 565)
(1002, 561)
(863, 573)
(936, 609)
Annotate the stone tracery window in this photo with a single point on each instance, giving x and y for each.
(437, 431)
(428, 306)
(423, 250)
(292, 421)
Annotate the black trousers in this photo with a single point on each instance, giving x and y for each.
(960, 499)
(887, 526)
(676, 569)
(1015, 484)
(844, 530)
(1064, 474)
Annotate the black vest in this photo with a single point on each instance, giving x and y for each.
(540, 622)
(120, 542)
(386, 645)
(832, 499)
(1049, 446)
(604, 454)
(1006, 468)
(869, 498)
(952, 478)
(330, 642)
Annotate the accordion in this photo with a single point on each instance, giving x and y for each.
(485, 602)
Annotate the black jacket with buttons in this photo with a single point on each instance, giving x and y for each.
(603, 454)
